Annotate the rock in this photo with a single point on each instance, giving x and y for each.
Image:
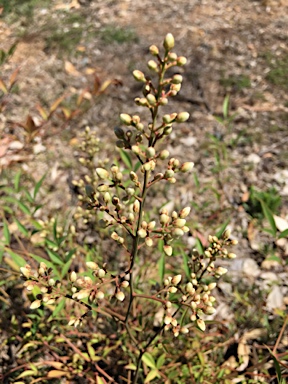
(250, 268)
(275, 299)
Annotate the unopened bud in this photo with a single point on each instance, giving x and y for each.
(148, 241)
(169, 42)
(150, 152)
(182, 117)
(184, 212)
(186, 167)
(120, 296)
(142, 233)
(167, 119)
(181, 60)
(201, 324)
(139, 76)
(177, 79)
(102, 173)
(154, 50)
(176, 279)
(152, 65)
(168, 250)
(119, 132)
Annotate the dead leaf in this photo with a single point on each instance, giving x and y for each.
(71, 70)
(243, 352)
(281, 223)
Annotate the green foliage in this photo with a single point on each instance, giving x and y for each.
(278, 74)
(112, 34)
(235, 83)
(261, 202)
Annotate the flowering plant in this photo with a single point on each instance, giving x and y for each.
(183, 299)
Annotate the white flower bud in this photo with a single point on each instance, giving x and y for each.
(169, 42)
(102, 173)
(201, 324)
(184, 212)
(168, 250)
(176, 279)
(35, 304)
(120, 296)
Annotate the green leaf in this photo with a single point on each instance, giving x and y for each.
(70, 254)
(185, 263)
(199, 246)
(161, 266)
(28, 196)
(151, 375)
(6, 232)
(18, 260)
(220, 232)
(126, 159)
(21, 205)
(58, 308)
(277, 367)
(269, 216)
(54, 257)
(137, 166)
(226, 107)
(148, 359)
(161, 360)
(283, 234)
(21, 227)
(38, 186)
(65, 268)
(17, 181)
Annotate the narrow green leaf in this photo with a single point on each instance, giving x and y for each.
(18, 260)
(21, 228)
(65, 268)
(6, 232)
(38, 185)
(17, 181)
(161, 266)
(148, 359)
(126, 159)
(54, 257)
(222, 228)
(28, 196)
(185, 263)
(55, 235)
(21, 205)
(70, 254)
(226, 107)
(283, 234)
(58, 308)
(269, 216)
(137, 166)
(277, 367)
(199, 246)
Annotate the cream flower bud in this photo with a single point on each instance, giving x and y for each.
(189, 288)
(186, 167)
(120, 296)
(135, 149)
(139, 76)
(92, 265)
(163, 101)
(169, 173)
(101, 273)
(107, 197)
(133, 176)
(221, 271)
(209, 310)
(142, 233)
(211, 286)
(154, 50)
(151, 225)
(168, 250)
(152, 65)
(81, 294)
(172, 289)
(26, 271)
(125, 284)
(226, 234)
(177, 79)
(179, 223)
(35, 304)
(102, 173)
(99, 295)
(136, 206)
(184, 330)
(151, 99)
(184, 212)
(150, 152)
(181, 60)
(177, 232)
(164, 219)
(125, 118)
(148, 241)
(103, 188)
(115, 236)
(168, 319)
(167, 119)
(73, 276)
(164, 154)
(169, 42)
(231, 256)
(51, 282)
(201, 324)
(182, 117)
(176, 279)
